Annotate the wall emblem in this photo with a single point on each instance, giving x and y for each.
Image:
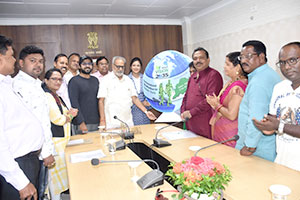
(93, 40)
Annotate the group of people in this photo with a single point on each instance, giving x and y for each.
(37, 117)
(254, 104)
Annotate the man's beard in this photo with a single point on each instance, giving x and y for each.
(119, 74)
(85, 71)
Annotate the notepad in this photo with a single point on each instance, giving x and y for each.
(176, 135)
(85, 156)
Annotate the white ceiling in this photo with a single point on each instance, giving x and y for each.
(158, 9)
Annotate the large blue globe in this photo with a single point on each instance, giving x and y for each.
(165, 80)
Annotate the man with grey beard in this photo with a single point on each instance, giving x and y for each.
(83, 90)
(116, 96)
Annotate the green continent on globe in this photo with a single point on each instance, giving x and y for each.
(181, 87)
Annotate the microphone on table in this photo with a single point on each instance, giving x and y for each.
(127, 135)
(162, 143)
(234, 138)
(119, 144)
(149, 180)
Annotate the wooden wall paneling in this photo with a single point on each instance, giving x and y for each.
(135, 49)
(125, 46)
(143, 41)
(147, 43)
(69, 39)
(9, 32)
(107, 44)
(160, 39)
(48, 39)
(174, 38)
(102, 32)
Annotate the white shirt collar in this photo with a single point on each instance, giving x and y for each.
(28, 78)
(5, 79)
(115, 77)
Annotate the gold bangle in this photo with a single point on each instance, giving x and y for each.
(219, 107)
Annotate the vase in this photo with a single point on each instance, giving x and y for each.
(194, 196)
(215, 196)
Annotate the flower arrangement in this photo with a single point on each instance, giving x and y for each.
(199, 175)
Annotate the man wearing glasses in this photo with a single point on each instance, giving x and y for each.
(83, 90)
(261, 80)
(102, 65)
(116, 96)
(284, 115)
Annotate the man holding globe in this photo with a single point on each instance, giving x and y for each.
(206, 81)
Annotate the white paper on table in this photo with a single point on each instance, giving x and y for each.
(176, 135)
(169, 117)
(85, 156)
(78, 141)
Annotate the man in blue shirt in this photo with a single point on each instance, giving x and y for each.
(261, 80)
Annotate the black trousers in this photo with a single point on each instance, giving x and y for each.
(31, 168)
(43, 180)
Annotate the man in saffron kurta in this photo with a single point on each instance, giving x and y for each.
(205, 81)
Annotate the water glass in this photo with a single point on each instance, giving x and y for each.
(104, 138)
(111, 146)
(133, 170)
(280, 192)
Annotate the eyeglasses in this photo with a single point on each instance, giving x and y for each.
(119, 66)
(290, 61)
(87, 64)
(247, 56)
(57, 79)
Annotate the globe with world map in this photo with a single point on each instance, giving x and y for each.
(165, 80)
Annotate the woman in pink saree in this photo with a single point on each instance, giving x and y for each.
(224, 121)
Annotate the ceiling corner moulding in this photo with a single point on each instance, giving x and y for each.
(78, 21)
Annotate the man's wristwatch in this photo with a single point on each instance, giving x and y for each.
(280, 128)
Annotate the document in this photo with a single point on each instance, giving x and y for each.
(79, 141)
(169, 117)
(85, 156)
(176, 135)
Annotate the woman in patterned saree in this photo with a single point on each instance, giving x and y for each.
(224, 121)
(138, 116)
(60, 118)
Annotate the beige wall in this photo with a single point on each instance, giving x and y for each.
(225, 29)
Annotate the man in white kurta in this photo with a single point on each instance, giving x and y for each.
(117, 93)
(116, 96)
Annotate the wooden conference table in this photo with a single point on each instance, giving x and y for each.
(252, 176)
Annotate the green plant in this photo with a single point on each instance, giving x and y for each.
(199, 175)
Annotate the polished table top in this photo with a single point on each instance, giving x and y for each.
(252, 176)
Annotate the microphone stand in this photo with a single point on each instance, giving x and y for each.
(159, 142)
(234, 138)
(120, 145)
(149, 180)
(127, 135)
